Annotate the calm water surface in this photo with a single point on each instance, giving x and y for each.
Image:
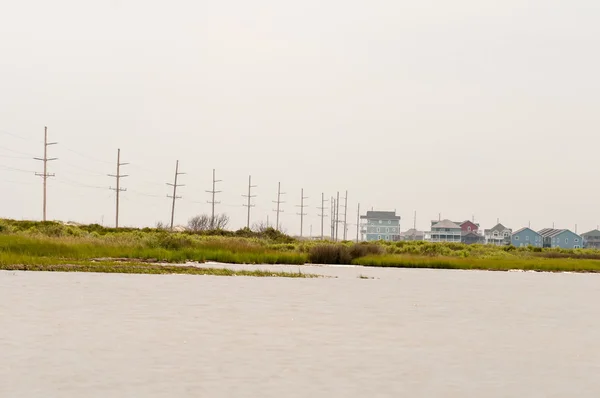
(407, 333)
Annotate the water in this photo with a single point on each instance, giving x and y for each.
(408, 333)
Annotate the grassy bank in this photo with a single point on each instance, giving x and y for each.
(52, 243)
(31, 264)
(540, 264)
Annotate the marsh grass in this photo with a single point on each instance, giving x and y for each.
(489, 264)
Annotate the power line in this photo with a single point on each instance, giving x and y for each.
(45, 174)
(301, 206)
(175, 197)
(278, 202)
(249, 196)
(17, 169)
(118, 189)
(322, 215)
(212, 202)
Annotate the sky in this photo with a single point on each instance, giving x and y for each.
(470, 108)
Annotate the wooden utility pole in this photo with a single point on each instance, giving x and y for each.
(332, 218)
(278, 202)
(249, 196)
(118, 189)
(213, 202)
(175, 197)
(45, 174)
(322, 215)
(302, 213)
(345, 215)
(357, 222)
(337, 215)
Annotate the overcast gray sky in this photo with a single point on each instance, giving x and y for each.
(469, 107)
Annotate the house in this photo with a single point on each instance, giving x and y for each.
(591, 240)
(562, 238)
(499, 235)
(412, 234)
(471, 238)
(526, 237)
(468, 226)
(444, 231)
(380, 225)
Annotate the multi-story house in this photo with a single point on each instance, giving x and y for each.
(562, 238)
(526, 237)
(591, 240)
(499, 235)
(444, 231)
(380, 225)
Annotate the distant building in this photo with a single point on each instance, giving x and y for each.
(499, 235)
(380, 225)
(412, 234)
(468, 226)
(562, 238)
(591, 240)
(526, 237)
(444, 231)
(471, 238)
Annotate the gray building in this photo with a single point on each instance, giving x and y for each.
(591, 239)
(561, 238)
(380, 225)
(499, 235)
(444, 231)
(526, 237)
(412, 234)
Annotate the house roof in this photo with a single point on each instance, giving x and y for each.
(593, 232)
(466, 221)
(381, 215)
(497, 227)
(523, 229)
(551, 232)
(446, 224)
(412, 232)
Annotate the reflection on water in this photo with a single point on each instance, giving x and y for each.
(406, 333)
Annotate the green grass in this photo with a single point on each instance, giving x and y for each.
(489, 264)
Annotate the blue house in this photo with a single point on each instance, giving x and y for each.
(562, 238)
(526, 237)
(380, 225)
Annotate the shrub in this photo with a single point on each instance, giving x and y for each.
(329, 254)
(365, 249)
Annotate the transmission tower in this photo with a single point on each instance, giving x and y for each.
(302, 213)
(45, 174)
(174, 196)
(249, 196)
(212, 202)
(322, 215)
(345, 215)
(118, 189)
(278, 202)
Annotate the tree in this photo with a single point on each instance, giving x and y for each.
(221, 221)
(199, 223)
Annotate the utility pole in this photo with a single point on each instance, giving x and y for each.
(337, 215)
(332, 218)
(278, 202)
(175, 197)
(45, 174)
(322, 215)
(212, 202)
(345, 215)
(118, 189)
(357, 222)
(302, 214)
(249, 196)
(415, 222)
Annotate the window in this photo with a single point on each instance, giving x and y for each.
(495, 234)
(387, 230)
(576, 240)
(516, 238)
(506, 234)
(566, 240)
(380, 221)
(389, 221)
(576, 247)
(527, 237)
(378, 229)
(378, 237)
(469, 229)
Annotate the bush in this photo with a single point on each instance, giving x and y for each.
(365, 249)
(329, 254)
